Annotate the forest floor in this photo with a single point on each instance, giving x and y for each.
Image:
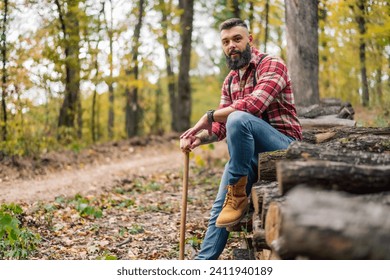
(115, 201)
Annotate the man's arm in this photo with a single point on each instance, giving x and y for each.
(206, 138)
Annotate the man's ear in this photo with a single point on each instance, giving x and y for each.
(250, 39)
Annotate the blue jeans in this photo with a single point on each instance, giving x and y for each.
(246, 136)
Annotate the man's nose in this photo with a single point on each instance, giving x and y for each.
(232, 46)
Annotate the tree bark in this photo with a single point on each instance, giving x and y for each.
(71, 32)
(110, 81)
(70, 28)
(300, 150)
(267, 164)
(133, 109)
(328, 225)
(4, 75)
(184, 85)
(328, 121)
(302, 49)
(266, 27)
(165, 10)
(235, 4)
(361, 21)
(333, 175)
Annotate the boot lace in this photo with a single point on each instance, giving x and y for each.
(229, 198)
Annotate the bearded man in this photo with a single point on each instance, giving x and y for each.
(256, 114)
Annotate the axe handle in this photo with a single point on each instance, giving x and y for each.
(184, 205)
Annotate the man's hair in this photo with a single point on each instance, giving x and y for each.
(232, 22)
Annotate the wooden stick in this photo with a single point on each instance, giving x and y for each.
(184, 206)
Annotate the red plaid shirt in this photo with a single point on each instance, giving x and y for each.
(272, 95)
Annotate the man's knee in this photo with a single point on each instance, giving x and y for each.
(236, 118)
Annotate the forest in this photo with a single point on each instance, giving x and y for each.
(77, 72)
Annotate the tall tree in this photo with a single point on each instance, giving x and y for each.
(69, 20)
(360, 16)
(184, 85)
(266, 27)
(3, 41)
(95, 57)
(110, 79)
(166, 9)
(132, 103)
(302, 49)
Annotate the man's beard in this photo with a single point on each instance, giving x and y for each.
(243, 59)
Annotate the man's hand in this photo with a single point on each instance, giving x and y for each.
(200, 125)
(188, 140)
(190, 143)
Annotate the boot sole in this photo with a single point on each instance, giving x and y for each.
(231, 224)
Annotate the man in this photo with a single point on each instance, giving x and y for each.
(256, 114)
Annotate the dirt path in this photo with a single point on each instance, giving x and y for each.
(93, 179)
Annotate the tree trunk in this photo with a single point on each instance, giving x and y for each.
(132, 105)
(184, 86)
(251, 15)
(302, 49)
(266, 27)
(111, 115)
(333, 175)
(235, 7)
(94, 113)
(165, 10)
(4, 75)
(361, 21)
(70, 28)
(328, 225)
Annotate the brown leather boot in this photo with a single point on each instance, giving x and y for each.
(235, 205)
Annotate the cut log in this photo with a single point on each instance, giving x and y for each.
(243, 254)
(300, 150)
(333, 175)
(266, 166)
(346, 111)
(259, 190)
(354, 138)
(317, 110)
(258, 236)
(370, 143)
(331, 102)
(328, 121)
(328, 225)
(262, 195)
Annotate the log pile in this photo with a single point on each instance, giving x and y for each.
(326, 198)
(329, 113)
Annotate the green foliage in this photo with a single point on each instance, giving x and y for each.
(36, 73)
(16, 242)
(107, 257)
(194, 241)
(136, 229)
(84, 207)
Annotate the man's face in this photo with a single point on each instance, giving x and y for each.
(235, 45)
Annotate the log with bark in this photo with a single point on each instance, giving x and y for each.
(262, 195)
(357, 138)
(300, 150)
(328, 121)
(306, 151)
(266, 164)
(333, 175)
(328, 225)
